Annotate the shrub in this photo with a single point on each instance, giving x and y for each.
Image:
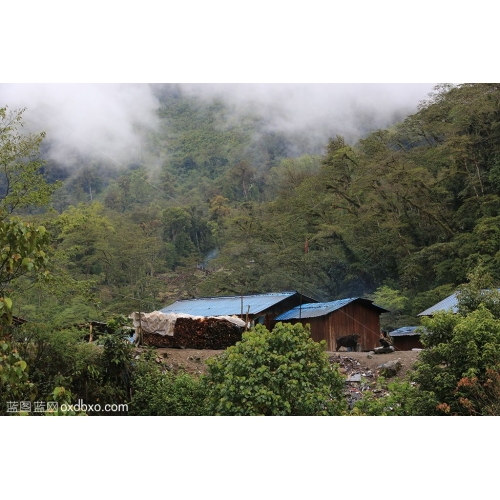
(461, 350)
(283, 372)
(156, 391)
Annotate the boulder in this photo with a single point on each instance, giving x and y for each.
(391, 368)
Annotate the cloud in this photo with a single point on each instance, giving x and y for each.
(86, 120)
(102, 121)
(321, 110)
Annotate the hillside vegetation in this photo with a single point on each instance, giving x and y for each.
(218, 205)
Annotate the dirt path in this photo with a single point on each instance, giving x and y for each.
(193, 360)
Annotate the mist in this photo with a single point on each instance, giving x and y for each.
(86, 121)
(106, 122)
(320, 111)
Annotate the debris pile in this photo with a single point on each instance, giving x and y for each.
(360, 379)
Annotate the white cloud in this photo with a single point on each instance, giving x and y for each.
(100, 120)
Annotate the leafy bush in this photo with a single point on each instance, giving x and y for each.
(14, 380)
(402, 399)
(283, 372)
(457, 348)
(96, 372)
(458, 372)
(159, 392)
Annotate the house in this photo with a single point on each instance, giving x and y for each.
(260, 308)
(330, 320)
(407, 338)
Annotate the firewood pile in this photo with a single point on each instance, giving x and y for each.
(194, 332)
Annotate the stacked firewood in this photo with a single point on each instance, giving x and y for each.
(197, 333)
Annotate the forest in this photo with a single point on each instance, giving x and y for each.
(216, 204)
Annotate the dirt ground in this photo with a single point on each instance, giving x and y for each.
(372, 362)
(193, 360)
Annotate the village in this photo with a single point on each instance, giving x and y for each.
(218, 322)
(188, 332)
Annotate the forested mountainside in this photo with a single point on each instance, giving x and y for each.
(215, 202)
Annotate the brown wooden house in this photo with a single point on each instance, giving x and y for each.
(330, 320)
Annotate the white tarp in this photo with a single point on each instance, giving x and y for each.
(164, 324)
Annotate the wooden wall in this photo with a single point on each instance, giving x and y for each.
(407, 342)
(281, 307)
(353, 318)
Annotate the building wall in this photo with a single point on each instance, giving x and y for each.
(407, 342)
(353, 318)
(280, 308)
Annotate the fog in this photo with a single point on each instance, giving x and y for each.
(101, 121)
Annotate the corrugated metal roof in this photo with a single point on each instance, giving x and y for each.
(448, 304)
(227, 306)
(321, 309)
(407, 330)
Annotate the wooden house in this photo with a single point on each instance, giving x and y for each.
(330, 320)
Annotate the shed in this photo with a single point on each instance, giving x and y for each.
(261, 308)
(407, 338)
(330, 320)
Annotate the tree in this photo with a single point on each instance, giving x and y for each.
(22, 184)
(22, 250)
(462, 351)
(14, 380)
(283, 372)
(395, 302)
(85, 238)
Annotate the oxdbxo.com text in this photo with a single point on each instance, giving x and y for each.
(89, 408)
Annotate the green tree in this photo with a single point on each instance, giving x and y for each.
(456, 347)
(22, 185)
(283, 372)
(395, 302)
(84, 238)
(461, 351)
(14, 379)
(22, 250)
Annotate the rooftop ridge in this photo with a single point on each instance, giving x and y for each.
(215, 297)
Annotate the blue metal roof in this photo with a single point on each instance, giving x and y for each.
(407, 330)
(321, 309)
(448, 304)
(227, 306)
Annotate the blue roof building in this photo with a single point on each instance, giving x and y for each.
(331, 320)
(261, 308)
